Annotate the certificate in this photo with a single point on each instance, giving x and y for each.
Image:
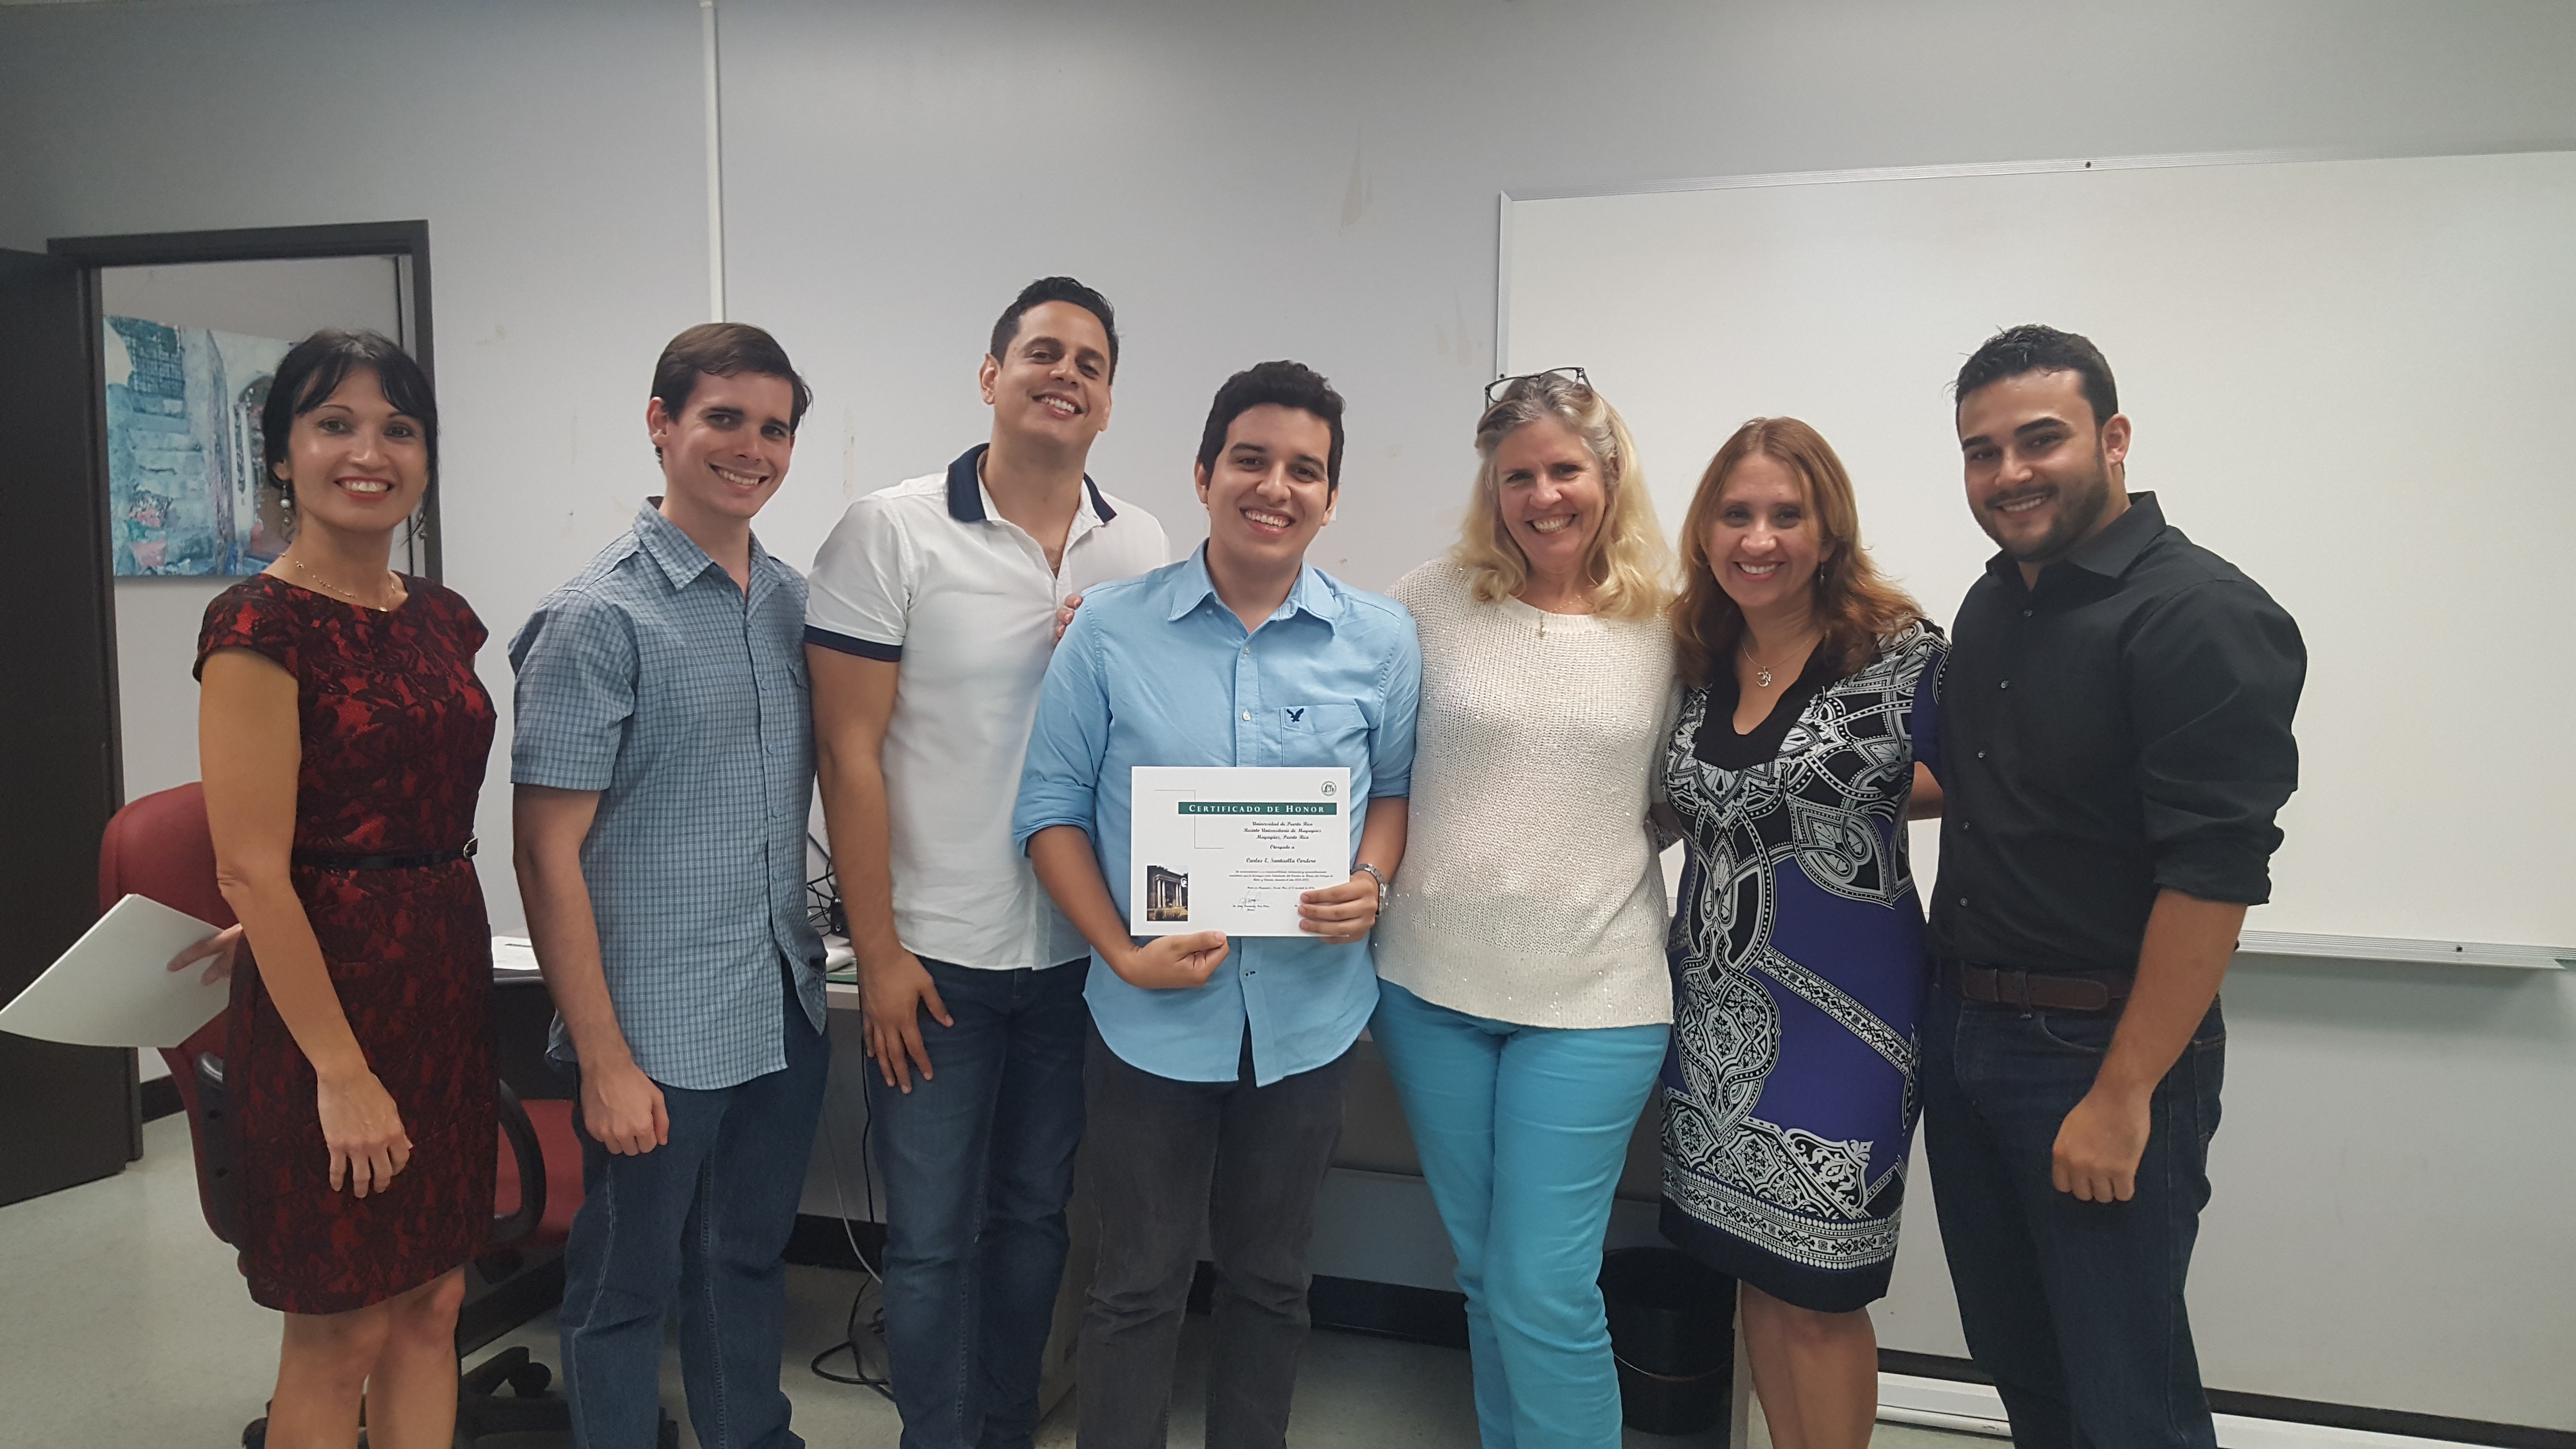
(114, 987)
(1230, 850)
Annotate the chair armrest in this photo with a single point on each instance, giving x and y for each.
(218, 1151)
(530, 1159)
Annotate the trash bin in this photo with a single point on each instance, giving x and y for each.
(1672, 1330)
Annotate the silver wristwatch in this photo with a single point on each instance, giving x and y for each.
(1380, 877)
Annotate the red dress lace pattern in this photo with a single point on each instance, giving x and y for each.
(395, 729)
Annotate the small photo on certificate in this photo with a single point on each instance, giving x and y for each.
(1217, 849)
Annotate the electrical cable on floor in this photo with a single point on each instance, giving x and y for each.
(825, 904)
(873, 1287)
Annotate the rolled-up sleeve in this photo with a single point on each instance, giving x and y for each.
(1060, 783)
(1391, 743)
(2216, 679)
(576, 665)
(859, 596)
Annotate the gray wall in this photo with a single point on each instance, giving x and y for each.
(1318, 180)
(1307, 179)
(555, 150)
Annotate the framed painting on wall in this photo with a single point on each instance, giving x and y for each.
(185, 480)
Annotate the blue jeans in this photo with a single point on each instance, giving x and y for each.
(978, 1163)
(699, 1224)
(1522, 1132)
(2075, 1307)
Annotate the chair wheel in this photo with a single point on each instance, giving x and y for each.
(531, 1381)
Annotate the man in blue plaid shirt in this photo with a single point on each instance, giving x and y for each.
(664, 765)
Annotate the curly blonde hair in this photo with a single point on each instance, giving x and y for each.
(1629, 563)
(1855, 603)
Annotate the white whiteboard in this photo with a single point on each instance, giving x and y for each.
(2353, 378)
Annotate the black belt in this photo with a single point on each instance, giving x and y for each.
(2028, 989)
(418, 860)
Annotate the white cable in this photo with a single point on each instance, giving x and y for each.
(840, 1199)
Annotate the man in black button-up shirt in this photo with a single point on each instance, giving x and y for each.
(2115, 722)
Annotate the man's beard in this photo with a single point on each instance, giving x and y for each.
(2081, 503)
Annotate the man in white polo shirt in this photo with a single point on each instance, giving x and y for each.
(949, 586)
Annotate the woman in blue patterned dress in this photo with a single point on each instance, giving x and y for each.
(1790, 1098)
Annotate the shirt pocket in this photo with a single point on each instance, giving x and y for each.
(1329, 732)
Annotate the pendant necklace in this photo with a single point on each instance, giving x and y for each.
(331, 587)
(1761, 671)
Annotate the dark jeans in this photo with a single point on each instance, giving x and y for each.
(2075, 1307)
(1163, 1159)
(698, 1224)
(978, 1161)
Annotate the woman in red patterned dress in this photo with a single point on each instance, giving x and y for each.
(343, 734)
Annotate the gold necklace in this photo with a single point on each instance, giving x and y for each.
(391, 577)
(1762, 671)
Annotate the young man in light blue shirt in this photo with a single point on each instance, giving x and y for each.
(1213, 1087)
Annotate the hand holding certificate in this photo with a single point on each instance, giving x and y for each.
(116, 985)
(1233, 850)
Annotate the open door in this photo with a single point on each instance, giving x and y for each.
(67, 1114)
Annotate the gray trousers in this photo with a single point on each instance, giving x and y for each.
(1164, 1158)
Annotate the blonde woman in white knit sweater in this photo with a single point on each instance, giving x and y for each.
(1524, 1005)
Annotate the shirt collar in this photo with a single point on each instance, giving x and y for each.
(679, 556)
(663, 542)
(969, 503)
(2108, 553)
(1311, 594)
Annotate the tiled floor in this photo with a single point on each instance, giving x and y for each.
(126, 1324)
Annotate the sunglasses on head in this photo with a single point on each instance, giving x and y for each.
(1495, 389)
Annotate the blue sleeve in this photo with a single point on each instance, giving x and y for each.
(1391, 743)
(576, 665)
(1060, 783)
(1923, 724)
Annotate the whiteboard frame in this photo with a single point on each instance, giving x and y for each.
(2256, 944)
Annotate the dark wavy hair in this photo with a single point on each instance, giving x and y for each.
(2034, 348)
(314, 369)
(1287, 384)
(1055, 289)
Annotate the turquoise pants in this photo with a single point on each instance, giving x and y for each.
(1522, 1132)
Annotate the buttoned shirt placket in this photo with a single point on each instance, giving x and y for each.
(1255, 743)
(1085, 522)
(772, 774)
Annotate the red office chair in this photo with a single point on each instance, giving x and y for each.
(160, 847)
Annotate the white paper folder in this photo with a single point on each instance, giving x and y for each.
(114, 987)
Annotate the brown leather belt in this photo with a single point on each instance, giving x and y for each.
(2028, 989)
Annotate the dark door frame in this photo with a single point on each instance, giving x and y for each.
(67, 1113)
(405, 239)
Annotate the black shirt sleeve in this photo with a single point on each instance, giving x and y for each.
(2215, 675)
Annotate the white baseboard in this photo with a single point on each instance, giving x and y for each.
(1975, 1409)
